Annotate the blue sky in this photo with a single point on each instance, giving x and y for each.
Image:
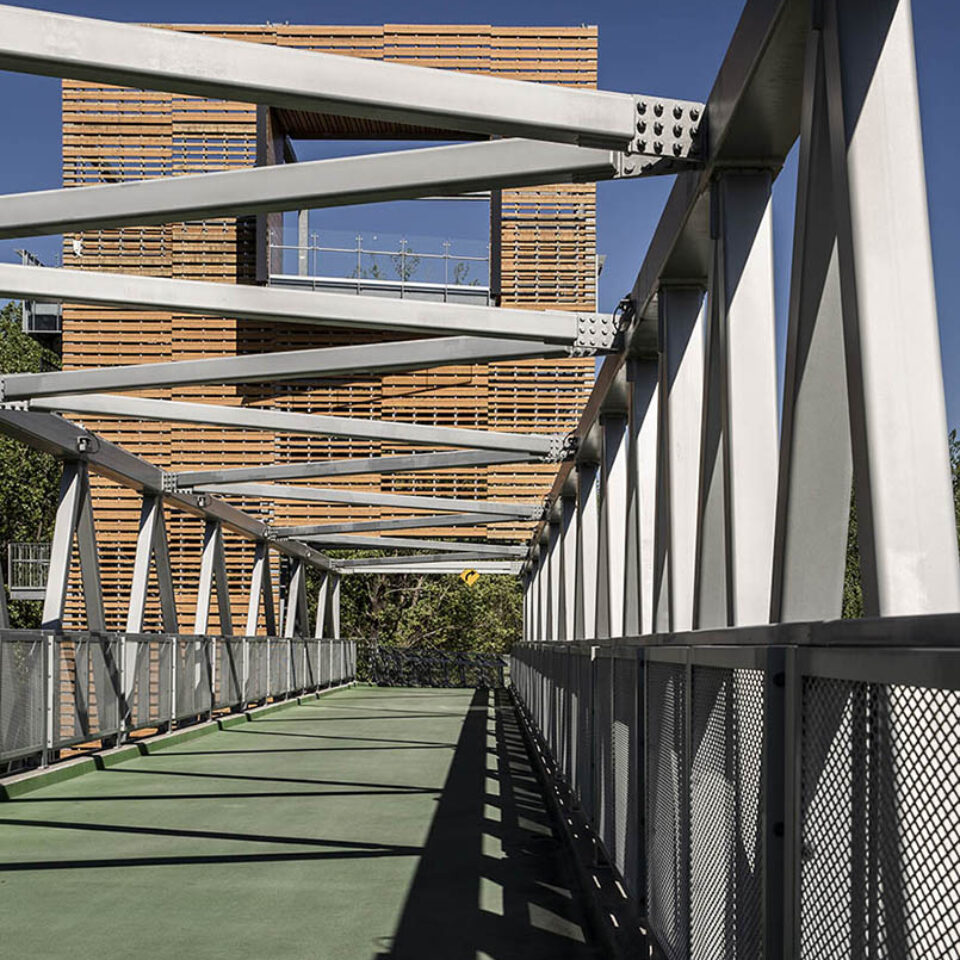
(671, 49)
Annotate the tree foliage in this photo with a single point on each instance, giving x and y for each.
(29, 479)
(852, 583)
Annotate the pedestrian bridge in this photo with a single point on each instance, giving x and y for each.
(698, 757)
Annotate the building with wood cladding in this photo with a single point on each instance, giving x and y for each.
(542, 254)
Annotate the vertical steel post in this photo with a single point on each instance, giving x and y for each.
(335, 605)
(553, 572)
(567, 566)
(303, 242)
(612, 522)
(681, 318)
(585, 596)
(908, 546)
(321, 605)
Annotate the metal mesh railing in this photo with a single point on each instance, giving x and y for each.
(65, 690)
(753, 798)
(401, 667)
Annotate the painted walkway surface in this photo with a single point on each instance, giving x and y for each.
(365, 824)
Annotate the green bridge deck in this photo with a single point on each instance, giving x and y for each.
(365, 824)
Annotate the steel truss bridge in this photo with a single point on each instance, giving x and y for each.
(738, 772)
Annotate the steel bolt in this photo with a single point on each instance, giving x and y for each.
(642, 146)
(658, 109)
(641, 126)
(629, 167)
(694, 113)
(658, 147)
(677, 149)
(677, 130)
(658, 128)
(642, 106)
(677, 112)
(694, 131)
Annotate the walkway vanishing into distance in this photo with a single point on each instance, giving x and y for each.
(364, 824)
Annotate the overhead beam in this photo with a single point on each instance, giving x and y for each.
(346, 468)
(584, 330)
(268, 491)
(353, 360)
(279, 421)
(452, 561)
(492, 567)
(68, 441)
(411, 543)
(316, 184)
(55, 45)
(394, 523)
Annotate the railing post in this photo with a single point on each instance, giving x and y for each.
(554, 566)
(585, 596)
(612, 521)
(567, 550)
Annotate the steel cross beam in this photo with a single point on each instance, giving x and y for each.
(268, 491)
(421, 559)
(415, 462)
(68, 441)
(585, 331)
(279, 421)
(496, 567)
(411, 543)
(316, 184)
(394, 523)
(62, 46)
(352, 360)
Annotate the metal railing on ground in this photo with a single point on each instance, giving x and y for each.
(61, 690)
(774, 792)
(27, 567)
(389, 666)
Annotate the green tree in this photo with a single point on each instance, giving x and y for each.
(29, 479)
(852, 582)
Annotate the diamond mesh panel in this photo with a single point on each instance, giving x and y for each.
(193, 677)
(86, 697)
(149, 665)
(726, 845)
(667, 827)
(229, 677)
(21, 696)
(256, 669)
(279, 661)
(585, 737)
(880, 874)
(626, 821)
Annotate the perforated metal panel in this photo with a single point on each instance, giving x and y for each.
(149, 665)
(311, 664)
(257, 663)
(667, 826)
(194, 683)
(229, 675)
(279, 666)
(726, 841)
(21, 695)
(86, 689)
(585, 737)
(603, 821)
(880, 828)
(626, 816)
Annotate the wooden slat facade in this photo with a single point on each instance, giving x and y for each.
(544, 246)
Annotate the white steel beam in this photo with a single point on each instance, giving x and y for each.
(279, 421)
(261, 588)
(682, 318)
(568, 566)
(816, 462)
(905, 518)
(412, 463)
(612, 522)
(147, 58)
(498, 567)
(583, 330)
(213, 573)
(334, 602)
(267, 491)
(585, 592)
(410, 543)
(314, 184)
(151, 547)
(309, 531)
(555, 566)
(352, 360)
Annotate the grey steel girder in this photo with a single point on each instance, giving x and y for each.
(316, 184)
(450, 559)
(68, 441)
(394, 523)
(279, 421)
(491, 567)
(352, 360)
(52, 44)
(587, 332)
(269, 491)
(415, 462)
(411, 543)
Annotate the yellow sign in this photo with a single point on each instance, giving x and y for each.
(470, 577)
